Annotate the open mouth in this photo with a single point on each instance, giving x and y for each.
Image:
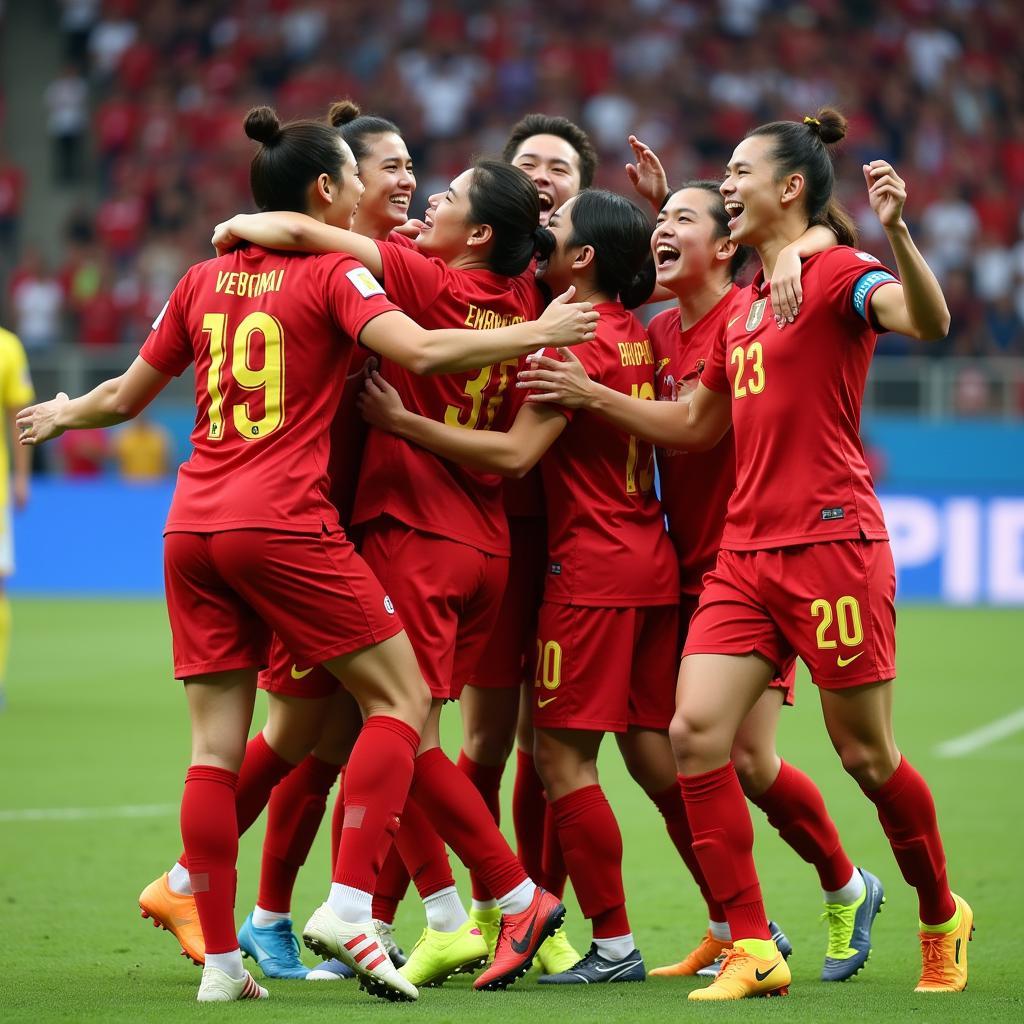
(734, 209)
(401, 200)
(666, 254)
(428, 221)
(547, 202)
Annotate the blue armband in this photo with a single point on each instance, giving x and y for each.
(863, 287)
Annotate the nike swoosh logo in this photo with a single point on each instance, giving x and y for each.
(522, 946)
(761, 976)
(843, 662)
(956, 957)
(732, 321)
(616, 967)
(296, 674)
(545, 703)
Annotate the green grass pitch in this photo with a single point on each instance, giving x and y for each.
(95, 721)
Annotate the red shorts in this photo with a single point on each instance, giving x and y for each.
(227, 592)
(507, 661)
(448, 592)
(605, 668)
(285, 676)
(831, 604)
(785, 680)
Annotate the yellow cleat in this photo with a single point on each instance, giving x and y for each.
(709, 950)
(745, 976)
(438, 955)
(489, 922)
(944, 954)
(556, 954)
(177, 914)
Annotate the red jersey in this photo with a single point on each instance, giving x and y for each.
(413, 485)
(796, 393)
(271, 335)
(695, 486)
(607, 545)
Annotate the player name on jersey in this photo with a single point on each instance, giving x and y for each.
(249, 286)
(480, 318)
(636, 353)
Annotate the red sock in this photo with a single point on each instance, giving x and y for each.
(554, 873)
(528, 807)
(294, 813)
(907, 813)
(459, 814)
(796, 810)
(210, 833)
(422, 852)
(392, 881)
(377, 779)
(670, 803)
(592, 846)
(487, 780)
(723, 840)
(261, 771)
(337, 818)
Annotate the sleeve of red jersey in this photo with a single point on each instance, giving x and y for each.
(169, 346)
(850, 277)
(354, 295)
(413, 280)
(714, 375)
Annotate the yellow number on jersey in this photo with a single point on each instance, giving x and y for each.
(646, 392)
(455, 416)
(269, 378)
(847, 618)
(549, 665)
(753, 354)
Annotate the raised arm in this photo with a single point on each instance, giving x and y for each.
(511, 453)
(402, 340)
(114, 401)
(915, 306)
(647, 175)
(289, 231)
(696, 424)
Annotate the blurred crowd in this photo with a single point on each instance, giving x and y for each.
(148, 108)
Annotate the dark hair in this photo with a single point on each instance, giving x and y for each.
(357, 128)
(721, 219)
(503, 197)
(290, 158)
(542, 124)
(803, 148)
(620, 233)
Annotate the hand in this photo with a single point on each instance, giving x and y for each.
(38, 423)
(21, 491)
(647, 175)
(380, 404)
(564, 381)
(787, 291)
(411, 228)
(887, 192)
(224, 238)
(565, 322)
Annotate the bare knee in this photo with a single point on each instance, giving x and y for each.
(869, 765)
(698, 746)
(488, 742)
(757, 765)
(562, 774)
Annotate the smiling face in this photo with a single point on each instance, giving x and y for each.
(753, 197)
(557, 270)
(346, 192)
(448, 225)
(553, 166)
(387, 175)
(688, 242)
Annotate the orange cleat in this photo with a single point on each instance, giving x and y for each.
(709, 950)
(177, 914)
(944, 954)
(519, 938)
(745, 976)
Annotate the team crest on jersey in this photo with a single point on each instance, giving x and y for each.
(365, 283)
(756, 314)
(866, 257)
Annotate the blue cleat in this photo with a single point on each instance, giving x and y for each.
(778, 936)
(594, 969)
(331, 970)
(275, 948)
(849, 930)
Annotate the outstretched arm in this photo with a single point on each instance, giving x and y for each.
(511, 453)
(694, 425)
(915, 306)
(111, 402)
(282, 229)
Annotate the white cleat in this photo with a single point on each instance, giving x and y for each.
(359, 946)
(218, 987)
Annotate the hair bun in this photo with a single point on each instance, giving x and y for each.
(261, 124)
(342, 111)
(828, 124)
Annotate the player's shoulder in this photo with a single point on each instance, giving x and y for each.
(664, 324)
(843, 257)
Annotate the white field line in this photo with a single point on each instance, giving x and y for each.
(88, 813)
(983, 737)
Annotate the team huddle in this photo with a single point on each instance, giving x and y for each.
(424, 471)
